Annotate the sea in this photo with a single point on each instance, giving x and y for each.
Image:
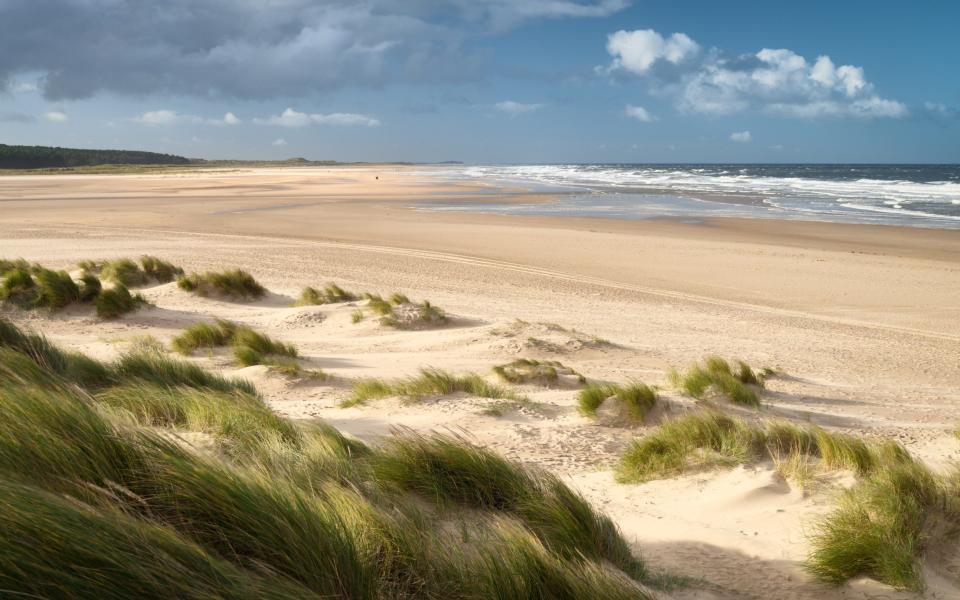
(916, 195)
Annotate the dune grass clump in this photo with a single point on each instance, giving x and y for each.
(117, 301)
(7, 265)
(885, 524)
(634, 400)
(19, 288)
(694, 442)
(159, 270)
(527, 370)
(450, 471)
(72, 366)
(710, 438)
(129, 273)
(153, 367)
(400, 312)
(93, 503)
(48, 548)
(235, 284)
(249, 347)
(33, 286)
(330, 294)
(429, 382)
(716, 376)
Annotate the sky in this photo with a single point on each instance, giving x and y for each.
(487, 81)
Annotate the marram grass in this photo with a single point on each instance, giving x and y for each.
(634, 400)
(429, 382)
(271, 516)
(234, 284)
(717, 376)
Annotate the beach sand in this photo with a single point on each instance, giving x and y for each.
(864, 321)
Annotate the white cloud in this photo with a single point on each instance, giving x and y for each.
(516, 108)
(637, 51)
(939, 109)
(56, 116)
(169, 117)
(279, 142)
(292, 118)
(639, 113)
(777, 81)
(742, 137)
(24, 88)
(158, 117)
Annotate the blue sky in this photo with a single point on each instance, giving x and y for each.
(487, 80)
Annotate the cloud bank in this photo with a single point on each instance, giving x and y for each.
(248, 49)
(775, 81)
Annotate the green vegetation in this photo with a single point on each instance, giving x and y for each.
(356, 316)
(718, 377)
(634, 400)
(885, 524)
(116, 301)
(527, 370)
(126, 272)
(249, 347)
(709, 438)
(96, 501)
(235, 284)
(401, 313)
(33, 286)
(36, 157)
(330, 294)
(430, 382)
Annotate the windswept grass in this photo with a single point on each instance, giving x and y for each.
(19, 288)
(155, 368)
(94, 505)
(429, 382)
(236, 284)
(117, 301)
(716, 376)
(330, 294)
(449, 471)
(400, 312)
(884, 525)
(129, 273)
(710, 438)
(527, 370)
(48, 550)
(634, 400)
(249, 347)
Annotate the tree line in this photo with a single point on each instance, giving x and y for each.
(39, 157)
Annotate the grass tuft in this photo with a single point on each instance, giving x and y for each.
(330, 294)
(400, 312)
(634, 400)
(249, 347)
(236, 284)
(710, 438)
(117, 301)
(716, 376)
(429, 382)
(884, 525)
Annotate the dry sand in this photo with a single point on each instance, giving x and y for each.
(865, 322)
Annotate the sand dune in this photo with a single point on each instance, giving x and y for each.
(862, 322)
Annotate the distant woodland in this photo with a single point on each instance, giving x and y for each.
(41, 157)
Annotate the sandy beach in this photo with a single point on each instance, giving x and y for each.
(862, 321)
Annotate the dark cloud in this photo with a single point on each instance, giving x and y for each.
(252, 49)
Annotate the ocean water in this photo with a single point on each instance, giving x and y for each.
(913, 195)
